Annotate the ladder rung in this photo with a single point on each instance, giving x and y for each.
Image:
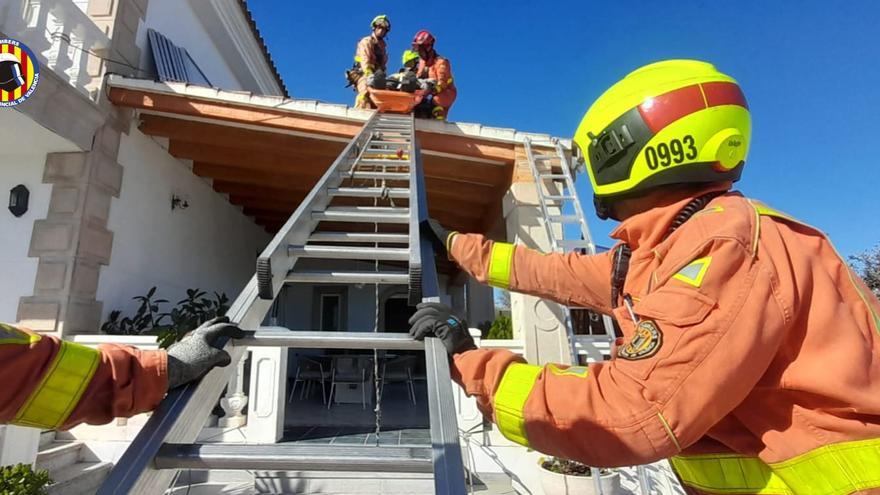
(380, 175)
(369, 192)
(563, 218)
(552, 176)
(559, 198)
(543, 157)
(338, 277)
(401, 162)
(390, 143)
(295, 457)
(371, 214)
(298, 339)
(349, 252)
(359, 237)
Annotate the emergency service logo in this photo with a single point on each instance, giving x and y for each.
(19, 72)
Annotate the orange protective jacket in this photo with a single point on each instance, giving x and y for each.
(53, 384)
(755, 364)
(370, 55)
(440, 70)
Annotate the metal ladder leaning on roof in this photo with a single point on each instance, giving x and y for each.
(558, 194)
(165, 444)
(556, 190)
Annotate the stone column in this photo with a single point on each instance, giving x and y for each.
(539, 323)
(72, 242)
(265, 419)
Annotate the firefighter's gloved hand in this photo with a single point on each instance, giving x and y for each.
(440, 237)
(196, 354)
(438, 320)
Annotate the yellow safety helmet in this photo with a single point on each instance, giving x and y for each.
(381, 19)
(670, 122)
(409, 56)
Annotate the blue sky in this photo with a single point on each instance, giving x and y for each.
(809, 71)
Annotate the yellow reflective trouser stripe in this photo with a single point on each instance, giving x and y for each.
(51, 403)
(500, 262)
(836, 469)
(510, 399)
(11, 335)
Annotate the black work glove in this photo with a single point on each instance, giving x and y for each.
(197, 354)
(438, 234)
(438, 320)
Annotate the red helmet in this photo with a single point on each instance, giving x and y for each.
(423, 38)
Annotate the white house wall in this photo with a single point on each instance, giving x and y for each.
(210, 245)
(176, 20)
(18, 271)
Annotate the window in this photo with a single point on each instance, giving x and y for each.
(330, 311)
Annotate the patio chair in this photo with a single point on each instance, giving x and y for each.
(350, 370)
(309, 372)
(399, 370)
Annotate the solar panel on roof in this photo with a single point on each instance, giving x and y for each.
(173, 63)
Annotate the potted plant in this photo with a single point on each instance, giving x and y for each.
(566, 477)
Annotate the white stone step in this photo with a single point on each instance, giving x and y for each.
(46, 438)
(59, 455)
(79, 479)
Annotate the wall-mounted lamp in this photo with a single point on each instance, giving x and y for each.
(179, 202)
(18, 200)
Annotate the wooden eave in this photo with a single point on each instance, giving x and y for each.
(266, 157)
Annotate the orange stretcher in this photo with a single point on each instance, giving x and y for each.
(396, 101)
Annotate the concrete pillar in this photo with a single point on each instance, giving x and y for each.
(18, 445)
(72, 242)
(539, 323)
(265, 419)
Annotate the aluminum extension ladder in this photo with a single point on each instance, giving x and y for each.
(552, 173)
(385, 151)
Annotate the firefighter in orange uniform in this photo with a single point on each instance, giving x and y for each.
(434, 67)
(54, 384)
(750, 354)
(371, 56)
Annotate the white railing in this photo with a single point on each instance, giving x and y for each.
(62, 37)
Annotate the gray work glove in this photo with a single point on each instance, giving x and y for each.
(197, 353)
(438, 320)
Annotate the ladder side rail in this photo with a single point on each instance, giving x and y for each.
(539, 184)
(448, 463)
(582, 219)
(423, 282)
(275, 261)
(181, 415)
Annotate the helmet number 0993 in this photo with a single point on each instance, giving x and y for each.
(675, 151)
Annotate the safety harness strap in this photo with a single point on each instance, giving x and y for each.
(61, 388)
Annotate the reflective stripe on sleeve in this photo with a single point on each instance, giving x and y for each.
(500, 262)
(510, 398)
(836, 469)
(58, 393)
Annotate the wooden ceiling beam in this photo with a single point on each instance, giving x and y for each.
(255, 177)
(475, 172)
(225, 135)
(253, 191)
(270, 117)
(249, 159)
(466, 146)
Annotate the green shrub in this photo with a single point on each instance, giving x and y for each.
(501, 329)
(21, 479)
(186, 315)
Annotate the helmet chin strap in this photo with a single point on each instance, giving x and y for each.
(603, 208)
